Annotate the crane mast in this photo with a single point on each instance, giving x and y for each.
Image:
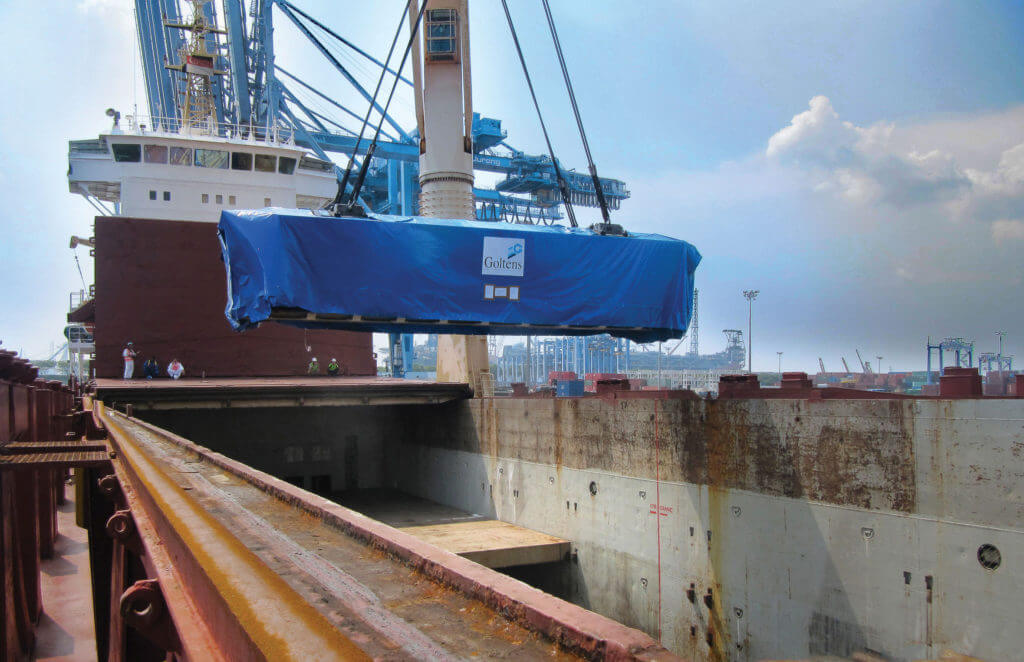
(444, 113)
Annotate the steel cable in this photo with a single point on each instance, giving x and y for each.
(369, 112)
(576, 111)
(562, 186)
(376, 136)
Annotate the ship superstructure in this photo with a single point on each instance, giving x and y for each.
(191, 167)
(160, 182)
(173, 175)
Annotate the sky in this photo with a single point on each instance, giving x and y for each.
(859, 163)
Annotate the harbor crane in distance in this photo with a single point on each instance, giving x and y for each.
(864, 367)
(821, 364)
(845, 367)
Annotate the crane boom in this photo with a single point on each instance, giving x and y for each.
(845, 367)
(865, 367)
(821, 364)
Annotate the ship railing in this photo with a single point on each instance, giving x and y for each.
(76, 299)
(151, 124)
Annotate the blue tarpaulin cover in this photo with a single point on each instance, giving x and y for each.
(427, 275)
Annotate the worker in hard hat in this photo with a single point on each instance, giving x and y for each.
(151, 368)
(333, 368)
(314, 367)
(129, 355)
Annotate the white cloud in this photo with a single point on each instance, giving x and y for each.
(862, 164)
(118, 14)
(815, 136)
(857, 235)
(1006, 179)
(1006, 230)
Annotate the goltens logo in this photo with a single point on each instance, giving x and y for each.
(503, 256)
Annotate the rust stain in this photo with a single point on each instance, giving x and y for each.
(717, 635)
(557, 437)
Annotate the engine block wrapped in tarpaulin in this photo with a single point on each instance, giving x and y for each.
(427, 275)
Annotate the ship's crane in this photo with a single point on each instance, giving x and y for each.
(845, 367)
(821, 364)
(253, 94)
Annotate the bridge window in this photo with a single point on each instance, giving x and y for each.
(127, 153)
(266, 163)
(286, 165)
(441, 43)
(152, 195)
(167, 196)
(155, 153)
(205, 198)
(231, 200)
(220, 199)
(212, 158)
(241, 161)
(181, 156)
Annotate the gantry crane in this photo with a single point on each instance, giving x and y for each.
(252, 92)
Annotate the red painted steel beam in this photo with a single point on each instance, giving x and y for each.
(225, 603)
(581, 631)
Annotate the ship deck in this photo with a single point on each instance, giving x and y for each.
(216, 393)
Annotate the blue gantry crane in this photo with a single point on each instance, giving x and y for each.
(253, 93)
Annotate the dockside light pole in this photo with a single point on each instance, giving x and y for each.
(780, 364)
(750, 295)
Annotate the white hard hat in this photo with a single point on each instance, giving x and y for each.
(333, 359)
(314, 358)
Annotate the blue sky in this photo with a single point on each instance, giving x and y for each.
(853, 160)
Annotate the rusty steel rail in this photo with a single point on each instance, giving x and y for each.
(227, 601)
(221, 601)
(32, 473)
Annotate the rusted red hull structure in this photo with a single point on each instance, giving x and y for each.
(36, 423)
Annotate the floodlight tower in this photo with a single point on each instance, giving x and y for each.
(444, 115)
(750, 296)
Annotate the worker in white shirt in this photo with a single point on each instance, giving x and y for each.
(129, 355)
(175, 369)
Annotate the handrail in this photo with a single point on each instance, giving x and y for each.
(152, 124)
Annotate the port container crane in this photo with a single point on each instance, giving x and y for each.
(253, 93)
